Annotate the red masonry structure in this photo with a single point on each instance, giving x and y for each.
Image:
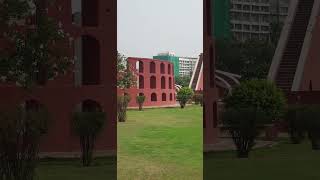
(210, 115)
(155, 80)
(93, 28)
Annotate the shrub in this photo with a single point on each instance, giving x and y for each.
(184, 95)
(198, 98)
(258, 94)
(140, 100)
(87, 126)
(295, 123)
(20, 133)
(122, 105)
(311, 116)
(244, 125)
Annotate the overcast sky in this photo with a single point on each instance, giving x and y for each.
(147, 27)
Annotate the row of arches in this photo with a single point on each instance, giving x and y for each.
(152, 67)
(154, 97)
(153, 82)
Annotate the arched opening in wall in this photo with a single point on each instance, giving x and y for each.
(170, 83)
(163, 82)
(141, 68)
(152, 67)
(164, 97)
(162, 68)
(170, 96)
(153, 97)
(90, 106)
(32, 105)
(169, 69)
(90, 57)
(153, 82)
(141, 82)
(310, 86)
(85, 12)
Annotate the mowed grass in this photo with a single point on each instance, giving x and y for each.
(283, 161)
(161, 144)
(72, 169)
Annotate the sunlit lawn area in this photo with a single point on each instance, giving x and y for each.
(164, 143)
(283, 161)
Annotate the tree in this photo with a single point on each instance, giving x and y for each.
(258, 94)
(87, 126)
(183, 80)
(250, 59)
(20, 134)
(184, 95)
(122, 106)
(140, 100)
(126, 77)
(244, 125)
(36, 54)
(311, 118)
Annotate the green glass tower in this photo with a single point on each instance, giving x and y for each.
(221, 13)
(172, 58)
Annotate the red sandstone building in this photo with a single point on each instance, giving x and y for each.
(93, 28)
(155, 80)
(295, 66)
(210, 115)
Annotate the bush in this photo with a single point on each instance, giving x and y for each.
(198, 98)
(20, 134)
(311, 116)
(87, 126)
(295, 123)
(258, 94)
(122, 105)
(140, 100)
(184, 95)
(244, 125)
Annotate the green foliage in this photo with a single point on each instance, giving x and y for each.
(250, 59)
(184, 95)
(36, 55)
(198, 98)
(311, 117)
(140, 100)
(260, 94)
(20, 135)
(125, 77)
(87, 125)
(122, 105)
(244, 125)
(296, 124)
(183, 80)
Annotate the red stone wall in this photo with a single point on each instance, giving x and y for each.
(61, 96)
(210, 131)
(147, 90)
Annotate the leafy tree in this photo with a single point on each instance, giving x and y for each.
(126, 77)
(36, 54)
(140, 100)
(20, 134)
(198, 98)
(311, 117)
(184, 95)
(183, 80)
(244, 125)
(122, 105)
(258, 94)
(87, 126)
(296, 124)
(250, 59)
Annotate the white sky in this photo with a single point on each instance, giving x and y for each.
(148, 27)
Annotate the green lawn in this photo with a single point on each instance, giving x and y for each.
(283, 161)
(102, 169)
(161, 144)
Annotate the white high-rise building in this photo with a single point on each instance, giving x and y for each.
(187, 65)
